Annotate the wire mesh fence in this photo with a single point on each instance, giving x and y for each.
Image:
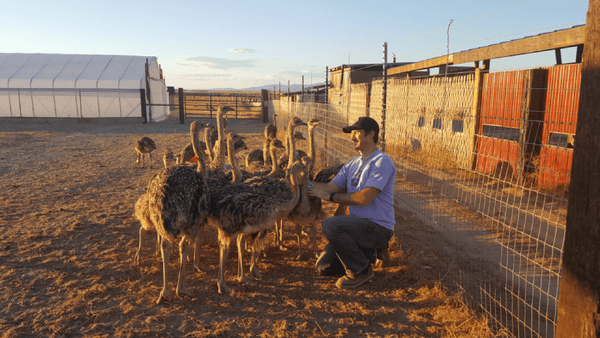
(482, 159)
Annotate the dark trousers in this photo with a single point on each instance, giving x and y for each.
(352, 240)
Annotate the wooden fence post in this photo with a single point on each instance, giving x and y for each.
(148, 92)
(264, 104)
(475, 108)
(181, 107)
(143, 104)
(578, 306)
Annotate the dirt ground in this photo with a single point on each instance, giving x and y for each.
(68, 238)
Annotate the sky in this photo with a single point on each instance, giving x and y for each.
(242, 44)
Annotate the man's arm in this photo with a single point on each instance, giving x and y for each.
(324, 189)
(362, 198)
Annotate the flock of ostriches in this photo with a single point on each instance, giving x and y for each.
(192, 191)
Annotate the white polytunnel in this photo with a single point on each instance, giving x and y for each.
(81, 86)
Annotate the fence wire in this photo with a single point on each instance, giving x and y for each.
(484, 160)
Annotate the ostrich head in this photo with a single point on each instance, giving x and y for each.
(276, 143)
(298, 135)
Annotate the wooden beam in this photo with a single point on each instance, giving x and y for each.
(539, 43)
(421, 65)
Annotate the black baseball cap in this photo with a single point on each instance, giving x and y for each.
(365, 123)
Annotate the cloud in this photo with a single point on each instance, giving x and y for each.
(242, 51)
(221, 63)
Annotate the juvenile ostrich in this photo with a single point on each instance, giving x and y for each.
(217, 180)
(144, 145)
(218, 161)
(187, 153)
(264, 169)
(284, 158)
(142, 213)
(309, 211)
(215, 176)
(169, 159)
(292, 156)
(258, 155)
(325, 176)
(245, 210)
(312, 124)
(270, 134)
(271, 129)
(178, 207)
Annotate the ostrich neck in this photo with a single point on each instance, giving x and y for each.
(219, 159)
(266, 153)
(235, 169)
(199, 153)
(303, 206)
(209, 145)
(311, 143)
(287, 206)
(292, 142)
(311, 150)
(274, 164)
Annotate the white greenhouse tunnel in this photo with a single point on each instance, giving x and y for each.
(80, 86)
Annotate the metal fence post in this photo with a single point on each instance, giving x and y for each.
(181, 106)
(326, 84)
(384, 103)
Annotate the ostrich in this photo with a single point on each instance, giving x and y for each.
(262, 169)
(325, 176)
(271, 129)
(169, 159)
(309, 210)
(243, 209)
(187, 153)
(270, 133)
(178, 207)
(218, 161)
(215, 176)
(263, 155)
(217, 180)
(144, 145)
(291, 140)
(258, 155)
(142, 213)
(312, 124)
(283, 159)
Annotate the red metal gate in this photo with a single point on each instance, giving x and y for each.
(560, 121)
(500, 123)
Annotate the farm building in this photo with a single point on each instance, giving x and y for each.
(81, 86)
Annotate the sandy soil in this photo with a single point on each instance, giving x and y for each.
(68, 238)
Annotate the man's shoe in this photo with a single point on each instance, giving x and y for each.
(354, 281)
(383, 257)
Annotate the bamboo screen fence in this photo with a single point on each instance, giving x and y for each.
(484, 161)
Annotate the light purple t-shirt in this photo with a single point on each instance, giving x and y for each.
(377, 171)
